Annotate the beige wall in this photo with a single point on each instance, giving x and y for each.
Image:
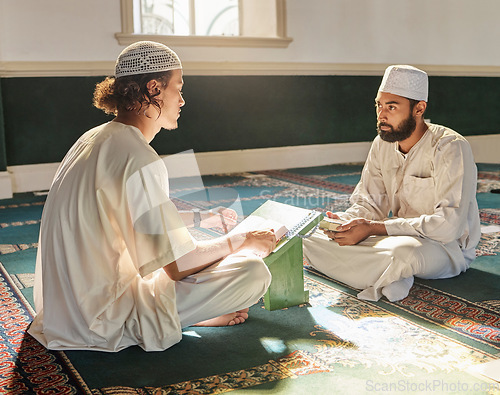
(424, 32)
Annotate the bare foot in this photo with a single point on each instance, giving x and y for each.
(230, 319)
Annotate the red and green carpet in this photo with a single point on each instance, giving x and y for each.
(428, 342)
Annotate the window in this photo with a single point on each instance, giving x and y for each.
(190, 17)
(255, 23)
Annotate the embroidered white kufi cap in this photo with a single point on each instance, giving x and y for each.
(406, 81)
(146, 57)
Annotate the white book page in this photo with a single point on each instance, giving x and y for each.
(255, 222)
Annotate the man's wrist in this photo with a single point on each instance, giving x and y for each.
(377, 228)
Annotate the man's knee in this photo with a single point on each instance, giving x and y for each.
(254, 278)
(406, 247)
(258, 271)
(412, 252)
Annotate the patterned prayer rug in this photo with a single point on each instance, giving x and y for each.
(429, 341)
(27, 367)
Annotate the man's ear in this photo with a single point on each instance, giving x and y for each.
(420, 107)
(153, 87)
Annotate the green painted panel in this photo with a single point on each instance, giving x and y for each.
(3, 154)
(468, 105)
(43, 116)
(226, 113)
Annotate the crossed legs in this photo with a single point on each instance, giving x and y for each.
(381, 265)
(222, 293)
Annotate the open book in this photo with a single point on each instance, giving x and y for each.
(285, 263)
(287, 221)
(255, 222)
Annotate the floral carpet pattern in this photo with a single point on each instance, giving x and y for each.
(429, 340)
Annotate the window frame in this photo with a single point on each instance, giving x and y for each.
(129, 12)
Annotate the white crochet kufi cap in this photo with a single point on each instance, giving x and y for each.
(146, 57)
(406, 81)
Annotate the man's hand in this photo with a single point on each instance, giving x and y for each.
(355, 231)
(331, 215)
(219, 217)
(262, 242)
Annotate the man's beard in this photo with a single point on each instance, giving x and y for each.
(402, 132)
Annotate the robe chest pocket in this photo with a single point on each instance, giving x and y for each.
(419, 193)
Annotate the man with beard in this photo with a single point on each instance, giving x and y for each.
(414, 210)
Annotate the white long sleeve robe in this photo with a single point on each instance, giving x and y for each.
(107, 226)
(427, 200)
(431, 191)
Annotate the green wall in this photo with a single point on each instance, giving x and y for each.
(43, 116)
(3, 153)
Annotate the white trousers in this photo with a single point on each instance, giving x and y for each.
(234, 283)
(383, 265)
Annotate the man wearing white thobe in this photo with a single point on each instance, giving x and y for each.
(414, 211)
(116, 265)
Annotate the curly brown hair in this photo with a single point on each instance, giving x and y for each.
(125, 93)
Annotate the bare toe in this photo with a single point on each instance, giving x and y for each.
(230, 319)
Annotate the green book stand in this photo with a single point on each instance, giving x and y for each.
(286, 261)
